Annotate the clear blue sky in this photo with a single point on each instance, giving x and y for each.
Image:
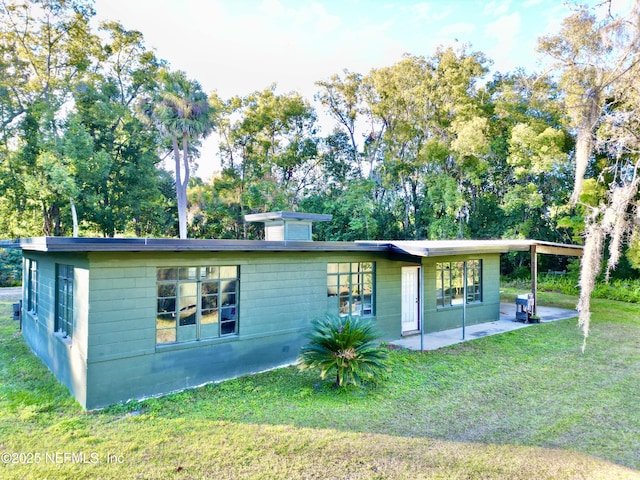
(239, 46)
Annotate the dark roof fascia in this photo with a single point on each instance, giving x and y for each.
(440, 248)
(402, 256)
(454, 250)
(84, 244)
(10, 244)
(415, 250)
(400, 250)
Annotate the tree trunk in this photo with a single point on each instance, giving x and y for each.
(47, 223)
(74, 216)
(180, 190)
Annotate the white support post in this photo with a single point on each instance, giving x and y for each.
(534, 278)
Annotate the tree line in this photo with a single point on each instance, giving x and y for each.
(429, 147)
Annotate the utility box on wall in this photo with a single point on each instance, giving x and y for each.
(17, 308)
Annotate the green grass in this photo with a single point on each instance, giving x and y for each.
(620, 290)
(525, 404)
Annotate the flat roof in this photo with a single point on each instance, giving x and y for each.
(270, 216)
(414, 248)
(87, 244)
(439, 248)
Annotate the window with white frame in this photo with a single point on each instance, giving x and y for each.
(64, 300)
(195, 303)
(450, 278)
(352, 286)
(31, 270)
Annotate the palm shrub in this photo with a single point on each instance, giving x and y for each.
(346, 344)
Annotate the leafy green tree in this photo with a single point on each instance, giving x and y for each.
(342, 96)
(67, 121)
(598, 63)
(336, 155)
(114, 153)
(529, 172)
(10, 267)
(39, 181)
(269, 152)
(346, 345)
(426, 123)
(46, 47)
(52, 181)
(355, 214)
(213, 212)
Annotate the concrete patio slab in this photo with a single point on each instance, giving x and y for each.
(506, 323)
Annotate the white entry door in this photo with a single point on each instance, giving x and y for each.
(410, 299)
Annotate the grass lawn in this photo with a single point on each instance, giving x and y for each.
(522, 405)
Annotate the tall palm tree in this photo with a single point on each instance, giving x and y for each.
(181, 112)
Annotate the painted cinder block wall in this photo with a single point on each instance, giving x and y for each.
(113, 356)
(280, 293)
(438, 319)
(113, 351)
(66, 359)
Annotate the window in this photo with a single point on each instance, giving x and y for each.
(474, 281)
(64, 305)
(31, 268)
(195, 303)
(352, 285)
(450, 282)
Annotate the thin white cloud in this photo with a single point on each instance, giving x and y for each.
(505, 29)
(461, 29)
(427, 12)
(325, 22)
(497, 8)
(422, 11)
(300, 16)
(270, 7)
(503, 35)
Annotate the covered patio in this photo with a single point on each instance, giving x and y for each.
(506, 323)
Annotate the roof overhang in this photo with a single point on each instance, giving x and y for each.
(401, 250)
(550, 248)
(84, 244)
(441, 248)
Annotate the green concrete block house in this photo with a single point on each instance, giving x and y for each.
(117, 319)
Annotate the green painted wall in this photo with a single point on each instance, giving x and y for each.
(437, 319)
(280, 293)
(65, 358)
(113, 356)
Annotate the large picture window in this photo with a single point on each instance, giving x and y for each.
(31, 268)
(352, 285)
(195, 303)
(450, 282)
(64, 300)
